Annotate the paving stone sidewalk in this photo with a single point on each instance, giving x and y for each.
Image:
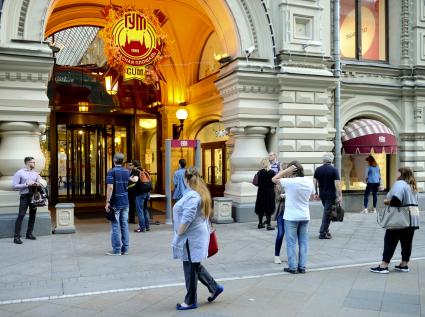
(72, 264)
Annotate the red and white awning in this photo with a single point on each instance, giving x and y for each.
(366, 135)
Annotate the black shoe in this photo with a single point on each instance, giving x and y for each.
(31, 237)
(17, 240)
(300, 270)
(270, 227)
(401, 268)
(326, 236)
(379, 269)
(260, 226)
(288, 270)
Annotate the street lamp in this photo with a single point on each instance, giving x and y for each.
(111, 88)
(181, 114)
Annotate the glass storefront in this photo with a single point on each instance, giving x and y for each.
(369, 17)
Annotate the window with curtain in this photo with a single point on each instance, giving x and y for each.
(363, 29)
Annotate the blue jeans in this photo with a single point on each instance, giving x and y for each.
(371, 187)
(296, 230)
(120, 226)
(279, 236)
(324, 228)
(142, 210)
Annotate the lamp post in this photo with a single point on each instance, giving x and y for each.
(181, 114)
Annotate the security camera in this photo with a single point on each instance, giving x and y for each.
(249, 50)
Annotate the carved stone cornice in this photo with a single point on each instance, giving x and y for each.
(23, 77)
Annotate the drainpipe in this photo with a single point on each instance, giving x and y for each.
(337, 75)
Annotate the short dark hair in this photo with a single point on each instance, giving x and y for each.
(182, 163)
(27, 159)
(136, 163)
(300, 169)
(118, 158)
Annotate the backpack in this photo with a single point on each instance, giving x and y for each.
(144, 184)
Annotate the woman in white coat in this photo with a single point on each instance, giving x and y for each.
(191, 238)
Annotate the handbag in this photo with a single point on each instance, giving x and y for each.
(255, 180)
(336, 213)
(144, 184)
(391, 217)
(213, 245)
(39, 197)
(110, 214)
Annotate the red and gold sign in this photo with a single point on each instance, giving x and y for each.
(133, 39)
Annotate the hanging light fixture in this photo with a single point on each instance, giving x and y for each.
(110, 86)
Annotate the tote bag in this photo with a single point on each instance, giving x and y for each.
(394, 217)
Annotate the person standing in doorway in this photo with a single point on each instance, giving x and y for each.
(373, 180)
(142, 196)
(327, 184)
(117, 198)
(26, 180)
(274, 163)
(131, 194)
(265, 202)
(178, 180)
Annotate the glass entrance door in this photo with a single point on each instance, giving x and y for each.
(85, 154)
(214, 167)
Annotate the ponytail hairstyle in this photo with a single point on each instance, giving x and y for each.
(406, 174)
(195, 181)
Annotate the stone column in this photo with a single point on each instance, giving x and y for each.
(249, 150)
(18, 140)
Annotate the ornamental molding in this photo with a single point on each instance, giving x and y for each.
(251, 21)
(412, 137)
(405, 31)
(250, 89)
(23, 77)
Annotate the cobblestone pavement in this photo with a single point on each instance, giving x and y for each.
(71, 265)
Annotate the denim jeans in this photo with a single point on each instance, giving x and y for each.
(327, 204)
(371, 187)
(142, 210)
(296, 230)
(279, 236)
(120, 227)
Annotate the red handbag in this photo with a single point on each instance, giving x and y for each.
(213, 246)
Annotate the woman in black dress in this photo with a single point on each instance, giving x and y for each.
(265, 203)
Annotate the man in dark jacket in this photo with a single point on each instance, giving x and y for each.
(327, 186)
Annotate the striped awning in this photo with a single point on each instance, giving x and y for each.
(366, 135)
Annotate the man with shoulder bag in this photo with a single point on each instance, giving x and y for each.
(26, 180)
(143, 186)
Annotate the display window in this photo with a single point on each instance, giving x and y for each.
(363, 29)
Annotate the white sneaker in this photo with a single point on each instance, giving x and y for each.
(277, 260)
(364, 211)
(374, 211)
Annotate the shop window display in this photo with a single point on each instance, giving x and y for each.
(363, 29)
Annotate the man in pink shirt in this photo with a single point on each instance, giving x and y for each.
(26, 180)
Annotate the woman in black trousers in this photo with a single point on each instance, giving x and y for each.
(403, 193)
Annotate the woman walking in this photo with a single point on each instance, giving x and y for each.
(373, 180)
(299, 190)
(403, 193)
(191, 216)
(265, 203)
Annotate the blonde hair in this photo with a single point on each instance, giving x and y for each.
(195, 181)
(265, 163)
